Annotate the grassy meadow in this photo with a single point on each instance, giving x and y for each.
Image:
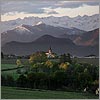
(10, 64)
(7, 66)
(9, 72)
(13, 93)
(94, 61)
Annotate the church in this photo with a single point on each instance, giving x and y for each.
(50, 54)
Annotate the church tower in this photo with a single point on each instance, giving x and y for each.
(50, 50)
(49, 53)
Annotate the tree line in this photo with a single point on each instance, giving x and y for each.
(42, 73)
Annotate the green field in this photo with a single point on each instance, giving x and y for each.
(13, 93)
(94, 61)
(7, 66)
(12, 61)
(9, 72)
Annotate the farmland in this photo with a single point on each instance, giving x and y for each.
(13, 93)
(7, 66)
(12, 61)
(94, 61)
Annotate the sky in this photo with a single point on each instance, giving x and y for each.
(13, 9)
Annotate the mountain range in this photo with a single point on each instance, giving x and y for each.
(86, 23)
(80, 36)
(28, 33)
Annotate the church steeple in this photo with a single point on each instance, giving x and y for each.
(49, 53)
(50, 50)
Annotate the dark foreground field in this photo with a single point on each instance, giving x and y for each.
(13, 93)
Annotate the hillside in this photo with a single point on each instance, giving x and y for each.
(90, 38)
(28, 33)
(59, 46)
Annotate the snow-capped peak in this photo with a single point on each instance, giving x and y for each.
(86, 23)
(39, 23)
(22, 29)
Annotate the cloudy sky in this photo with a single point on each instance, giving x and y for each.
(13, 9)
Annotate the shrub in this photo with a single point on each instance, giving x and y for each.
(22, 81)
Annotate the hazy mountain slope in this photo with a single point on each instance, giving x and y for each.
(88, 38)
(28, 33)
(58, 45)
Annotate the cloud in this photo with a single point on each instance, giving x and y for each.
(37, 6)
(50, 11)
(74, 4)
(21, 7)
(53, 12)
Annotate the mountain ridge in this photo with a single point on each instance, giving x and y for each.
(60, 46)
(86, 23)
(88, 38)
(28, 33)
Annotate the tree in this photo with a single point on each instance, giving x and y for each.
(55, 66)
(41, 80)
(63, 58)
(85, 80)
(22, 81)
(2, 55)
(10, 80)
(69, 58)
(93, 71)
(31, 80)
(64, 66)
(35, 67)
(60, 78)
(52, 84)
(49, 64)
(18, 62)
(3, 80)
(70, 76)
(38, 57)
(37, 80)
